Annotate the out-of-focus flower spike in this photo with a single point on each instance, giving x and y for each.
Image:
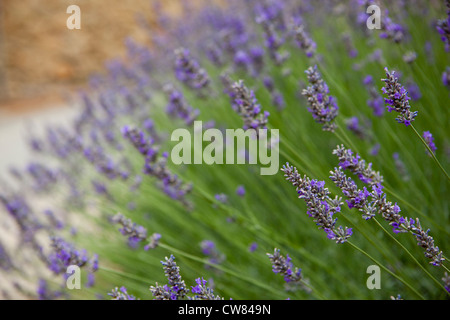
(322, 106)
(397, 99)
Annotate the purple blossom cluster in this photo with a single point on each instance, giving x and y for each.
(391, 30)
(269, 14)
(446, 280)
(176, 288)
(19, 209)
(322, 106)
(132, 90)
(178, 106)
(134, 232)
(277, 97)
(375, 202)
(285, 267)
(304, 41)
(156, 165)
(104, 164)
(428, 137)
(202, 292)
(355, 126)
(210, 250)
(121, 294)
(320, 206)
(246, 105)
(5, 260)
(376, 101)
(443, 27)
(397, 99)
(353, 162)
(188, 70)
(446, 77)
(64, 254)
(45, 293)
(356, 198)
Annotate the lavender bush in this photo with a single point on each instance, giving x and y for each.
(103, 194)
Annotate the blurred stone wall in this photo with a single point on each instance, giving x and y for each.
(40, 56)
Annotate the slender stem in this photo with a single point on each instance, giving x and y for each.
(431, 152)
(410, 254)
(386, 269)
(124, 274)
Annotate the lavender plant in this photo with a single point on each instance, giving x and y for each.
(239, 65)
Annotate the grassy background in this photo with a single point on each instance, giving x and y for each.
(270, 213)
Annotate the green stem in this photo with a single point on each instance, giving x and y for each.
(431, 152)
(410, 254)
(386, 269)
(124, 274)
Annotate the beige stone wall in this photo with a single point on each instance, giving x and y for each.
(40, 56)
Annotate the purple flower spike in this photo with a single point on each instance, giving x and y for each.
(304, 41)
(443, 27)
(446, 77)
(247, 107)
(134, 232)
(397, 99)
(178, 107)
(240, 191)
(320, 206)
(322, 106)
(428, 137)
(284, 266)
(189, 72)
(121, 294)
(202, 292)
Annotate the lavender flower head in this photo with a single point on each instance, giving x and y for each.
(210, 250)
(428, 137)
(354, 125)
(446, 77)
(134, 232)
(65, 254)
(188, 71)
(270, 16)
(319, 205)
(176, 288)
(397, 99)
(121, 294)
(304, 41)
(354, 163)
(322, 106)
(240, 191)
(178, 106)
(284, 267)
(391, 30)
(376, 101)
(202, 292)
(356, 198)
(154, 241)
(247, 107)
(375, 202)
(138, 139)
(446, 280)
